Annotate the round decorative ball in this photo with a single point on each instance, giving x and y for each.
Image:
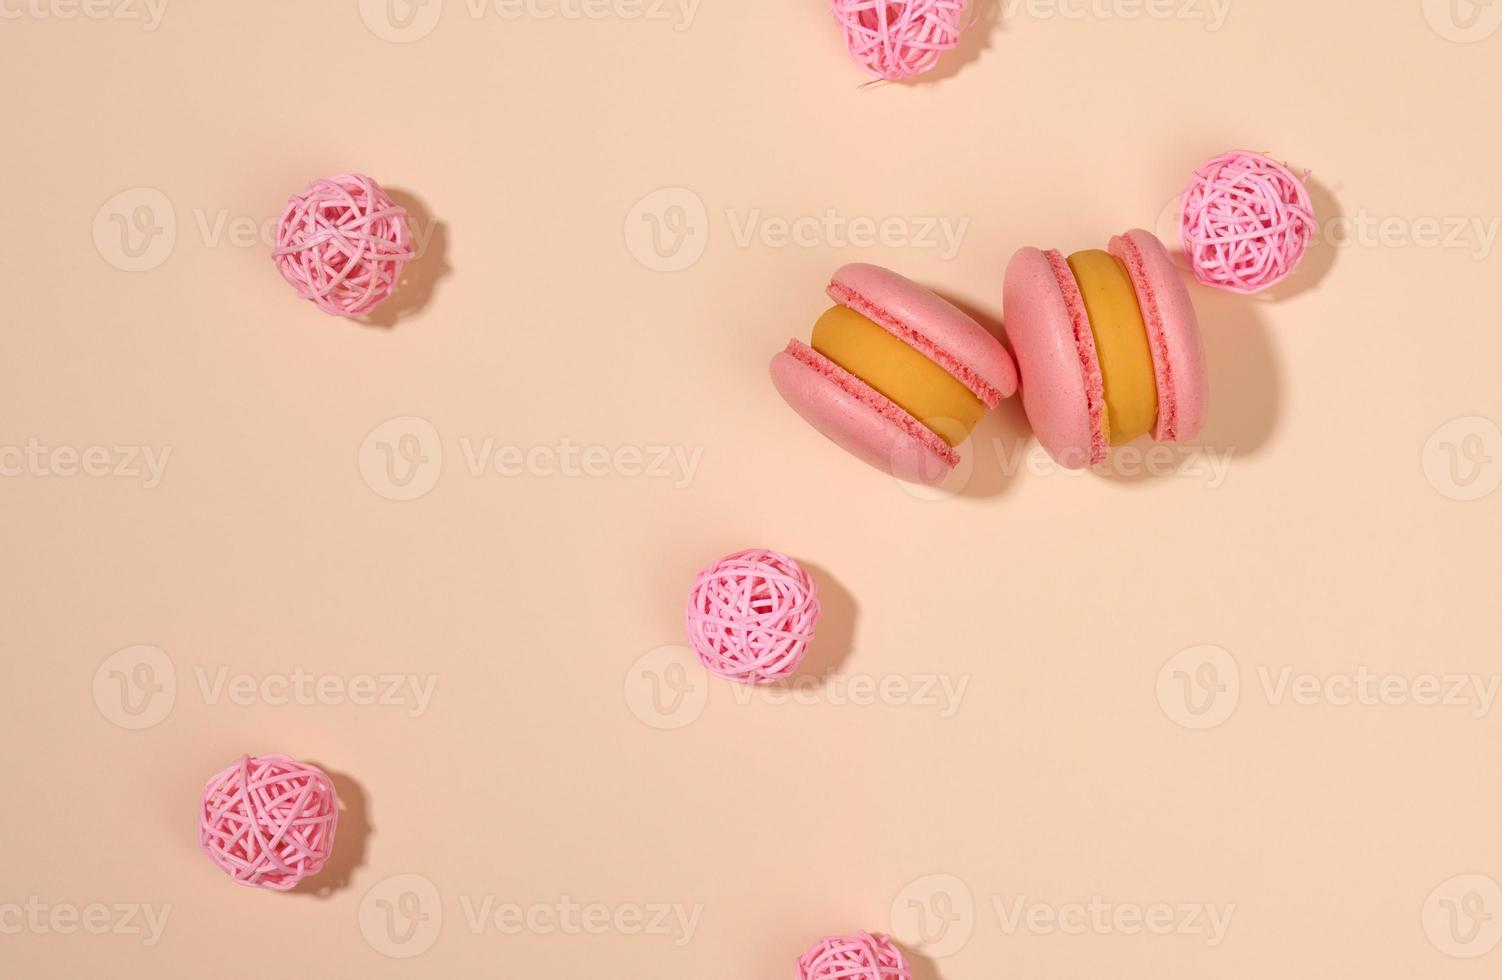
(751, 615)
(1245, 223)
(859, 957)
(268, 821)
(342, 244)
(896, 39)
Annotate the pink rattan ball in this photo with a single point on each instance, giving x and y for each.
(859, 957)
(895, 39)
(268, 821)
(751, 616)
(342, 243)
(1245, 223)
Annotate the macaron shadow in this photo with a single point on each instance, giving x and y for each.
(1000, 440)
(422, 274)
(350, 839)
(1246, 390)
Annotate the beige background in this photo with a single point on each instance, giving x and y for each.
(563, 752)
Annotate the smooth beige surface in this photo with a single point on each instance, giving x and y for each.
(1316, 547)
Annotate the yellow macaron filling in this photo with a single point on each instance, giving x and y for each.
(884, 361)
(1121, 345)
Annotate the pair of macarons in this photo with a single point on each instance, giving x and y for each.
(1106, 343)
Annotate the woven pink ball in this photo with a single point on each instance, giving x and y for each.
(751, 615)
(342, 243)
(1245, 223)
(859, 957)
(895, 39)
(268, 821)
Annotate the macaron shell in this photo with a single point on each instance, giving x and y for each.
(935, 327)
(1173, 335)
(858, 418)
(1055, 363)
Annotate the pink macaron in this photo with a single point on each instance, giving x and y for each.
(868, 422)
(1064, 388)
